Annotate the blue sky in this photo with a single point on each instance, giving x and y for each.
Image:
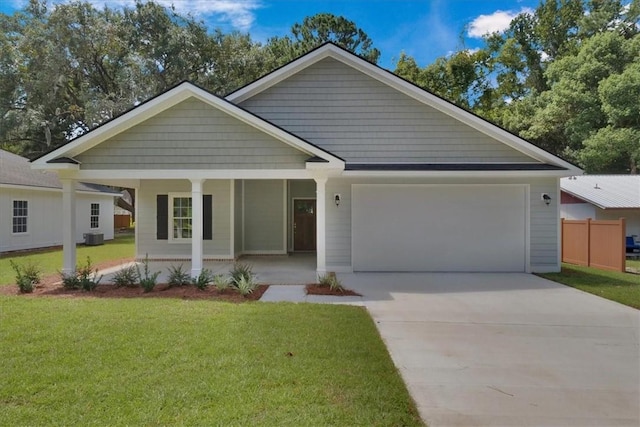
(424, 29)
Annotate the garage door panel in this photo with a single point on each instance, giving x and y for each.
(438, 228)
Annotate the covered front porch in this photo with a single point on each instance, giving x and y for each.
(277, 225)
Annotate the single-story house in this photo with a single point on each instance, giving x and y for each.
(31, 207)
(328, 154)
(605, 197)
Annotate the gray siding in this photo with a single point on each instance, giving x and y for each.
(238, 236)
(192, 135)
(362, 120)
(543, 219)
(219, 247)
(264, 215)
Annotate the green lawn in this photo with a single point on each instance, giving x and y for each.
(621, 287)
(176, 362)
(634, 263)
(50, 261)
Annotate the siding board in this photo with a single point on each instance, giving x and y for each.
(362, 120)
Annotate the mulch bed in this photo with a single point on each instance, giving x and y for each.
(51, 286)
(317, 289)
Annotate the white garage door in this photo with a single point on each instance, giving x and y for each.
(439, 228)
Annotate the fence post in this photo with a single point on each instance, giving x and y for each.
(623, 247)
(588, 242)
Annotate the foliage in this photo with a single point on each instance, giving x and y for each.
(127, 276)
(315, 30)
(331, 281)
(148, 280)
(83, 348)
(221, 282)
(85, 277)
(246, 285)
(49, 260)
(203, 279)
(239, 272)
(614, 285)
(28, 276)
(178, 276)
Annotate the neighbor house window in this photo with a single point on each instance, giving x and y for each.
(95, 215)
(182, 217)
(20, 215)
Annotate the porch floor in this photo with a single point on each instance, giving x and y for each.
(293, 269)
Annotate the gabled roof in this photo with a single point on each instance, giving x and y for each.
(330, 50)
(62, 157)
(16, 171)
(605, 191)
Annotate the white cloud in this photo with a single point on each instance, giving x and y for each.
(498, 21)
(240, 14)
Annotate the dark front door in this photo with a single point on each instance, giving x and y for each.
(304, 225)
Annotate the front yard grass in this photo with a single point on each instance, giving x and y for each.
(50, 260)
(634, 263)
(173, 362)
(621, 287)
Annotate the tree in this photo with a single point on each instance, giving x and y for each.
(318, 29)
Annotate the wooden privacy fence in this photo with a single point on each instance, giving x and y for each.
(599, 244)
(121, 221)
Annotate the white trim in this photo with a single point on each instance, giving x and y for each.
(559, 228)
(163, 102)
(244, 234)
(170, 218)
(136, 228)
(389, 79)
(321, 222)
(455, 174)
(527, 228)
(197, 226)
(107, 174)
(68, 226)
(24, 233)
(285, 196)
(58, 190)
(293, 217)
(232, 217)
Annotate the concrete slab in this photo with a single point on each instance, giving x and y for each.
(507, 349)
(288, 293)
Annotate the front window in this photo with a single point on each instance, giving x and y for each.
(20, 215)
(182, 218)
(95, 215)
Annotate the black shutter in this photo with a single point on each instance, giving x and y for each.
(162, 217)
(207, 217)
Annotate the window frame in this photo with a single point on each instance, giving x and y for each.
(93, 216)
(14, 217)
(171, 217)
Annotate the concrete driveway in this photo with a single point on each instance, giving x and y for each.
(507, 349)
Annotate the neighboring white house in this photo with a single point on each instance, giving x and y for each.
(330, 154)
(31, 207)
(602, 197)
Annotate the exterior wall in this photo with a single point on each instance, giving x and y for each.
(362, 120)
(238, 215)
(264, 216)
(44, 221)
(577, 211)
(298, 189)
(219, 247)
(193, 135)
(543, 229)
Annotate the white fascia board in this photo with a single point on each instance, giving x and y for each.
(55, 166)
(163, 102)
(388, 78)
(585, 199)
(133, 174)
(56, 190)
(454, 174)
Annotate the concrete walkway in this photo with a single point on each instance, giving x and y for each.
(507, 349)
(296, 293)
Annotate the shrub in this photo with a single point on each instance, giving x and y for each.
(27, 276)
(331, 281)
(148, 280)
(221, 282)
(178, 277)
(246, 285)
(240, 271)
(127, 276)
(202, 281)
(85, 277)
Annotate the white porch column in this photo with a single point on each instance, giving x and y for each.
(68, 226)
(321, 250)
(196, 227)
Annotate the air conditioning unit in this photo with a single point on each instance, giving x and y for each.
(93, 239)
